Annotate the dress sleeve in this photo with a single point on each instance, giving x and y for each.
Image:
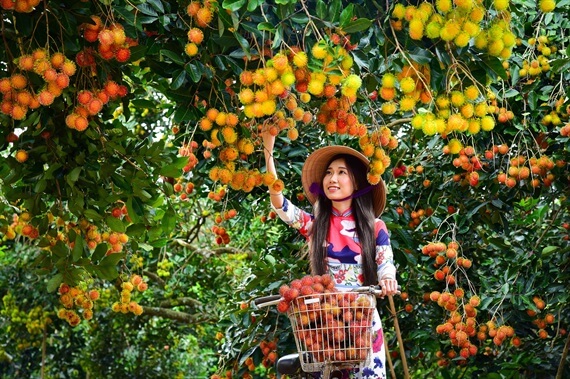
(295, 217)
(384, 254)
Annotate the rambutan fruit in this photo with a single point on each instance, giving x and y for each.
(18, 81)
(21, 156)
(203, 17)
(122, 54)
(106, 37)
(45, 97)
(62, 80)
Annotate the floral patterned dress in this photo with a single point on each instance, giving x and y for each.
(344, 262)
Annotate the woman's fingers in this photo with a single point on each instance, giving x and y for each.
(389, 286)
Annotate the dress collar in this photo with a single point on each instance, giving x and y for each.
(336, 212)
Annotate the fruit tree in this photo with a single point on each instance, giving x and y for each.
(134, 194)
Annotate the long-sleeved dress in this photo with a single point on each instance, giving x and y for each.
(344, 262)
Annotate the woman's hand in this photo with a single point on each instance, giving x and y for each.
(268, 141)
(389, 286)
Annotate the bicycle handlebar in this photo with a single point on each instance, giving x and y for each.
(266, 301)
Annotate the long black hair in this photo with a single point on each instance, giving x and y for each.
(363, 211)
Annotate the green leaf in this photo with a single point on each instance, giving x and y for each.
(346, 16)
(54, 282)
(194, 72)
(99, 252)
(174, 57)
(178, 80)
(78, 248)
(548, 250)
(112, 259)
(73, 176)
(252, 5)
(60, 250)
(169, 220)
(115, 224)
(243, 43)
(146, 9)
(358, 25)
(135, 209)
(92, 215)
(334, 10)
(266, 26)
(156, 4)
(321, 9)
(233, 5)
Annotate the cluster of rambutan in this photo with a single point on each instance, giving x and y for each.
(541, 323)
(225, 215)
(20, 6)
(71, 297)
(533, 170)
(417, 215)
(113, 42)
(536, 58)
(374, 145)
(183, 189)
(18, 98)
(222, 236)
(457, 111)
(126, 304)
(195, 38)
(90, 103)
(402, 91)
(201, 12)
(468, 160)
(446, 258)
(21, 225)
(329, 325)
(269, 351)
(459, 22)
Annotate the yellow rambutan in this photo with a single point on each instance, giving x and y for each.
(429, 128)
(443, 6)
(288, 78)
(501, 5)
(389, 108)
(268, 107)
(300, 59)
(450, 30)
(433, 30)
(389, 80)
(246, 96)
(416, 28)
(191, 49)
(474, 126)
(319, 50)
(495, 47)
(408, 85)
(462, 39)
(487, 123)
(457, 98)
(547, 6)
(418, 121)
(454, 146)
(481, 41)
(399, 11)
(407, 103)
(220, 118)
(315, 87)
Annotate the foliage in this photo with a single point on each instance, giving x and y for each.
(130, 150)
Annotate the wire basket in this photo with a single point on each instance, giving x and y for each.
(333, 329)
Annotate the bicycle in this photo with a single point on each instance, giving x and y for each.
(332, 332)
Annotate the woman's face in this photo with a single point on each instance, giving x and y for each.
(338, 183)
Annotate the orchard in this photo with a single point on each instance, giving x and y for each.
(136, 226)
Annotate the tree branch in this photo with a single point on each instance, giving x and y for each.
(179, 302)
(183, 317)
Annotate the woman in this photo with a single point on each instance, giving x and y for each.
(346, 237)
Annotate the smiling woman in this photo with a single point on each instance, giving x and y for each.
(347, 240)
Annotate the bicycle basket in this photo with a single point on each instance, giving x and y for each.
(333, 329)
